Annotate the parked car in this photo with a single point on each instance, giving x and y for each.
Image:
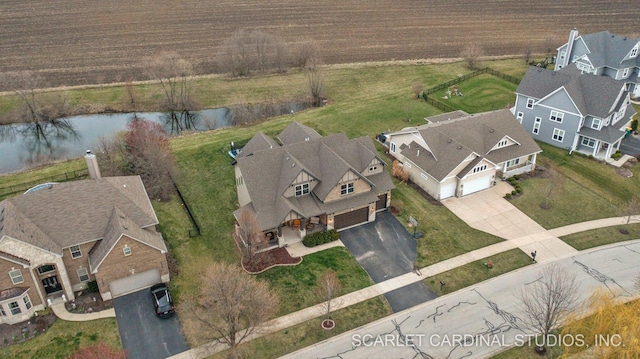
(162, 301)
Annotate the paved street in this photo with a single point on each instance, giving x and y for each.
(386, 250)
(631, 145)
(488, 313)
(143, 334)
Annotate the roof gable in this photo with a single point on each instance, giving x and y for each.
(297, 132)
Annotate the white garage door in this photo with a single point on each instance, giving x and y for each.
(476, 185)
(135, 282)
(448, 190)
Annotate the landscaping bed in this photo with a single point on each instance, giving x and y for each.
(272, 258)
(21, 332)
(86, 302)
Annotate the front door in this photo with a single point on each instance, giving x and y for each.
(51, 284)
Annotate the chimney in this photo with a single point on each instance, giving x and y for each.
(92, 165)
(572, 37)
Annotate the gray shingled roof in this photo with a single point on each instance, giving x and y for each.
(593, 95)
(610, 134)
(607, 49)
(267, 174)
(12, 292)
(454, 140)
(297, 132)
(119, 225)
(259, 142)
(75, 212)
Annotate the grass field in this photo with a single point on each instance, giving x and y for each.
(478, 92)
(64, 338)
(602, 236)
(75, 42)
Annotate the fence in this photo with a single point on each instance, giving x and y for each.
(186, 207)
(457, 80)
(7, 191)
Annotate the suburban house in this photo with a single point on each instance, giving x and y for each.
(574, 110)
(305, 182)
(456, 154)
(55, 240)
(603, 53)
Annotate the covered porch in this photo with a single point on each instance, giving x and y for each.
(517, 166)
(596, 148)
(294, 230)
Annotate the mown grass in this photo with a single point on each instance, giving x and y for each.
(480, 91)
(64, 338)
(15, 183)
(590, 190)
(305, 334)
(602, 236)
(478, 271)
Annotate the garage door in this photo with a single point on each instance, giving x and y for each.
(134, 283)
(448, 190)
(476, 185)
(351, 218)
(381, 203)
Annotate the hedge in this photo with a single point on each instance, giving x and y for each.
(314, 239)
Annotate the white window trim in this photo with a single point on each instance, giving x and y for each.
(74, 252)
(424, 176)
(634, 52)
(599, 126)
(392, 147)
(27, 301)
(556, 116)
(302, 188)
(408, 165)
(520, 116)
(86, 274)
(513, 162)
(126, 250)
(17, 307)
(347, 188)
(585, 142)
(14, 277)
(558, 133)
(479, 168)
(530, 103)
(625, 72)
(536, 125)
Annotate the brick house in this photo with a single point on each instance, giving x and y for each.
(55, 240)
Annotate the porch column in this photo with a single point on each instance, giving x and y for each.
(618, 144)
(575, 143)
(504, 167)
(595, 148)
(533, 161)
(608, 153)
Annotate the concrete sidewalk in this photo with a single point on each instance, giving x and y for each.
(61, 312)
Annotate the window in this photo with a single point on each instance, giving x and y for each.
(530, 102)
(536, 126)
(126, 250)
(513, 162)
(408, 165)
(556, 116)
(634, 52)
(46, 268)
(373, 168)
(27, 301)
(83, 274)
(346, 188)
(16, 276)
(558, 134)
(2, 312)
(589, 142)
(625, 73)
(302, 189)
(595, 124)
(424, 176)
(14, 308)
(75, 251)
(479, 168)
(562, 55)
(503, 143)
(393, 147)
(520, 117)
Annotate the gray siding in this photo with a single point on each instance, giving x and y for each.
(569, 123)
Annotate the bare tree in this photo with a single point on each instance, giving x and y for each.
(471, 55)
(174, 75)
(230, 306)
(315, 81)
(252, 240)
(548, 301)
(555, 181)
(399, 172)
(528, 51)
(417, 88)
(630, 208)
(111, 154)
(148, 154)
(306, 53)
(328, 289)
(244, 52)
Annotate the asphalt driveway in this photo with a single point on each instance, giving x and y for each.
(631, 145)
(143, 334)
(386, 250)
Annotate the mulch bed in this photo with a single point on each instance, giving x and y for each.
(21, 332)
(272, 258)
(87, 303)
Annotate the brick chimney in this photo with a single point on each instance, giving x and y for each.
(92, 165)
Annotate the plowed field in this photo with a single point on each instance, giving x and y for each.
(72, 42)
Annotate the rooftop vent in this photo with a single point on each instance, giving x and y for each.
(491, 130)
(459, 147)
(449, 140)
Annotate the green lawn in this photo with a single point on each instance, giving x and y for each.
(305, 334)
(64, 338)
(590, 190)
(602, 236)
(480, 91)
(478, 271)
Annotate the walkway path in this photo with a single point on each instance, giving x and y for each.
(61, 312)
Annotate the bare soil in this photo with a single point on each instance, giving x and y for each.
(20, 332)
(88, 303)
(272, 258)
(77, 42)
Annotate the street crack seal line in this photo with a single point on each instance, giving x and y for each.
(601, 277)
(410, 343)
(533, 281)
(632, 250)
(436, 313)
(459, 304)
(509, 319)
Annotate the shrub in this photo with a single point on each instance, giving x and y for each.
(616, 155)
(508, 195)
(92, 287)
(317, 238)
(634, 124)
(590, 157)
(513, 193)
(516, 177)
(518, 189)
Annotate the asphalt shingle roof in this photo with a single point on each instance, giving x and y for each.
(607, 49)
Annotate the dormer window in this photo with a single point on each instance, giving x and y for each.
(596, 123)
(346, 189)
(625, 73)
(302, 189)
(502, 143)
(634, 52)
(479, 168)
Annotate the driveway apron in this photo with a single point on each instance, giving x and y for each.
(386, 250)
(143, 334)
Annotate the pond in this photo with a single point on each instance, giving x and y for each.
(26, 145)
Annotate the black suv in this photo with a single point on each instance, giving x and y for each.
(162, 300)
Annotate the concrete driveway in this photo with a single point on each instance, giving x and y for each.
(143, 334)
(386, 250)
(489, 212)
(631, 145)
